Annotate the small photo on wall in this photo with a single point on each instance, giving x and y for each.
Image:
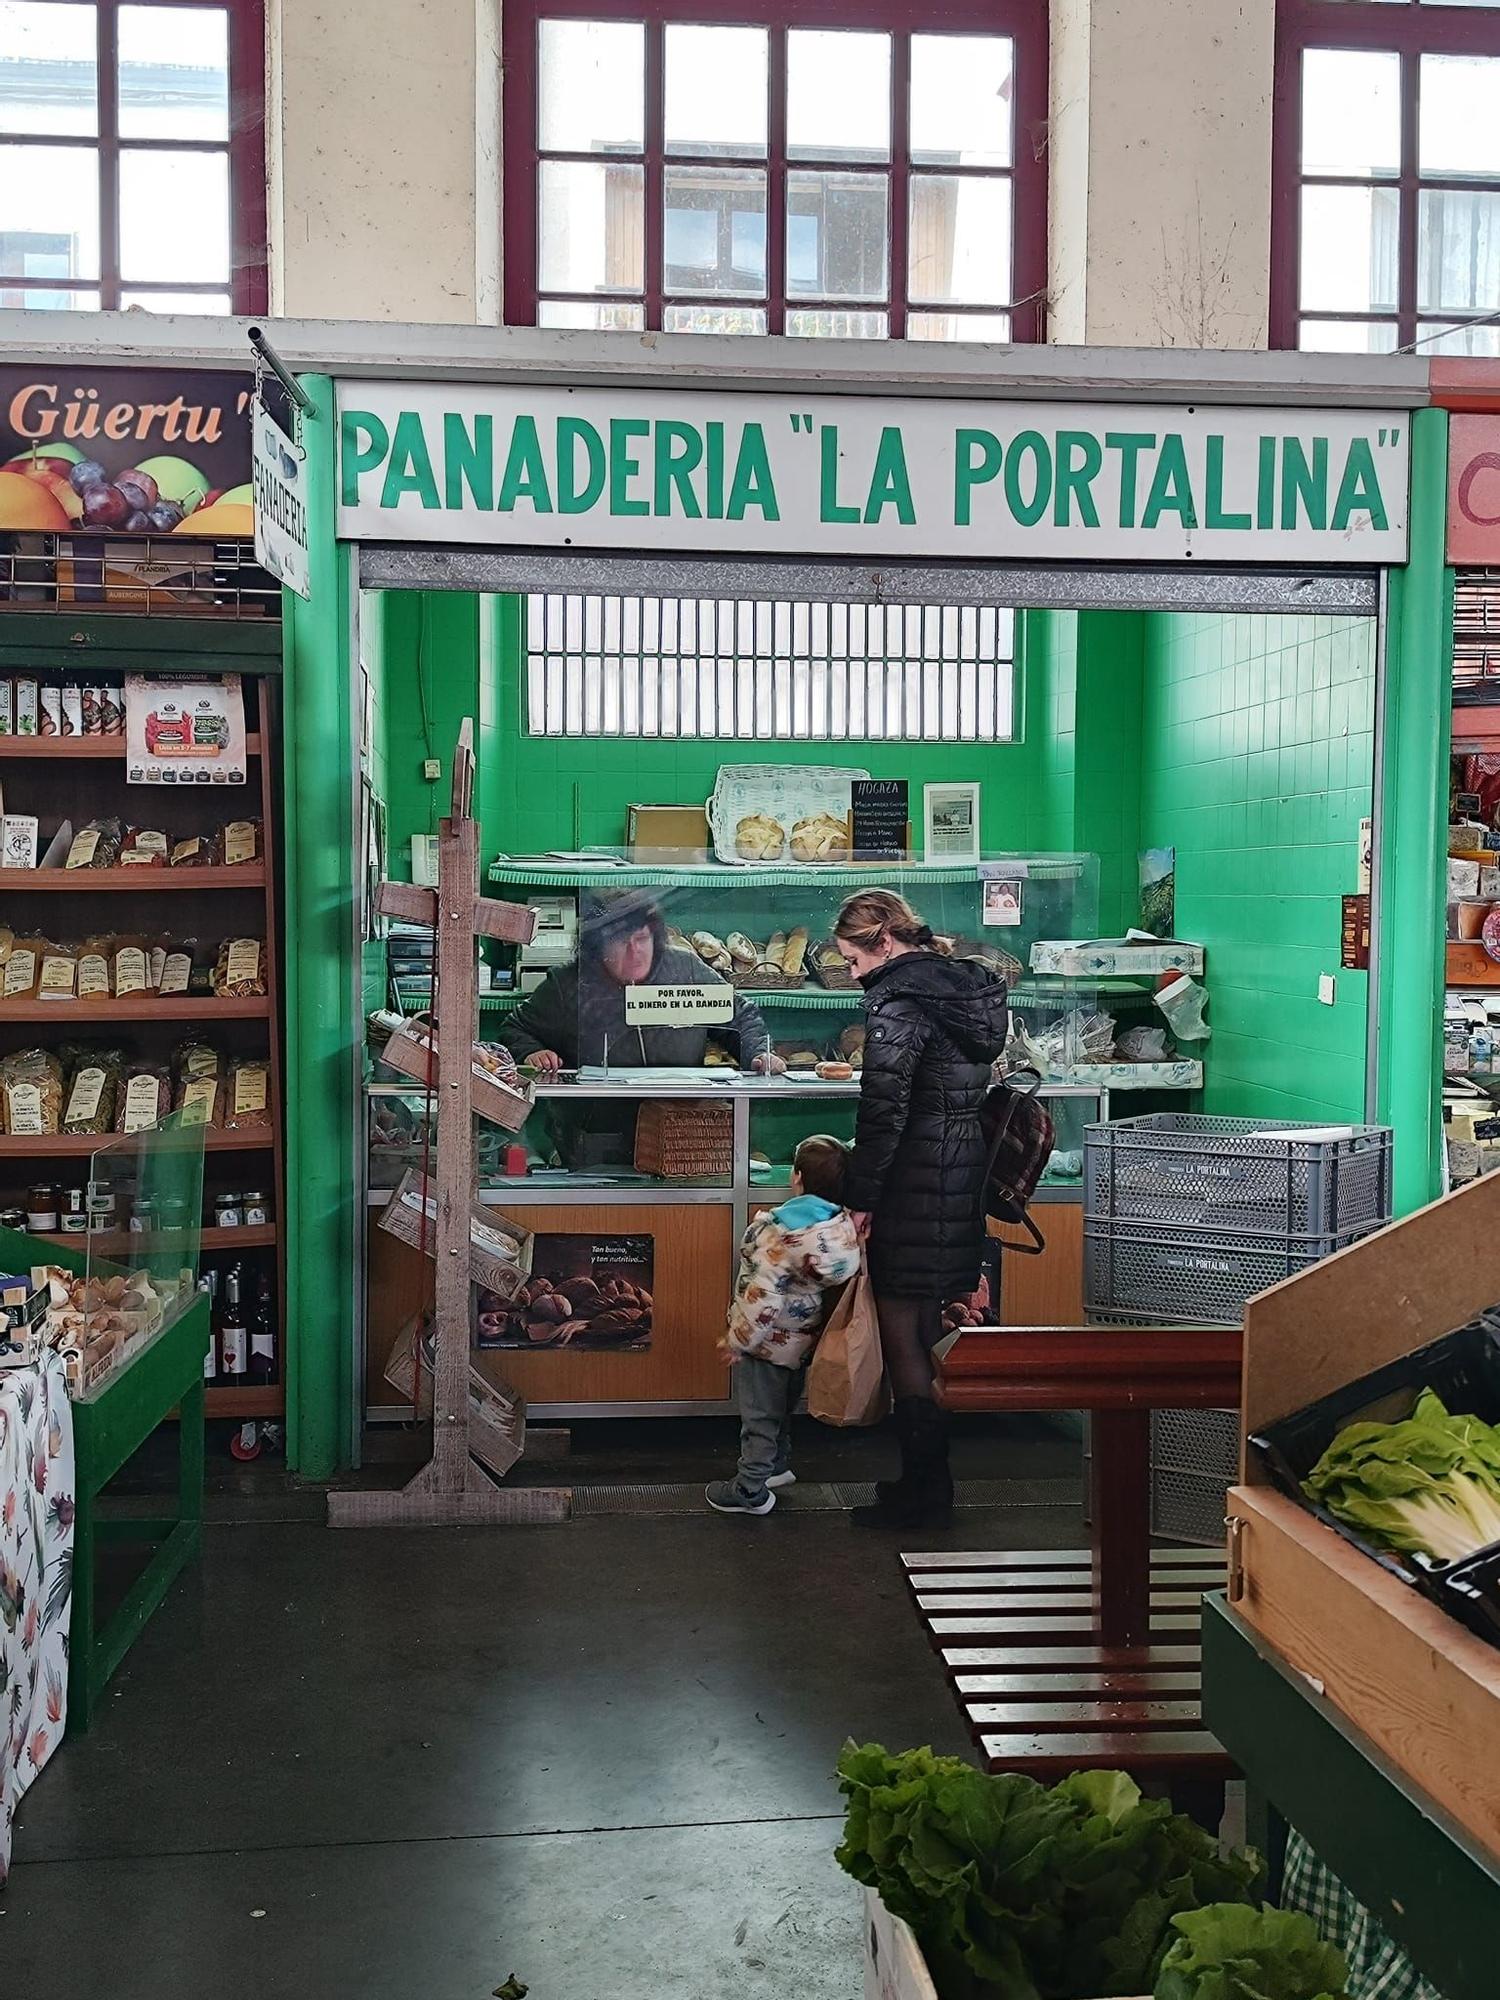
(1002, 904)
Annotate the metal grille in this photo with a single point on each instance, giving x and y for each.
(1191, 1279)
(768, 671)
(137, 573)
(1476, 636)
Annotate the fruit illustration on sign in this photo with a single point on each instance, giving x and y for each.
(176, 481)
(230, 519)
(26, 502)
(54, 487)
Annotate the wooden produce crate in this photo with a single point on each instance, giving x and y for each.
(499, 1251)
(1419, 1687)
(497, 1414)
(413, 1051)
(1471, 965)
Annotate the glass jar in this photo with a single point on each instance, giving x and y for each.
(101, 1205)
(257, 1211)
(13, 1218)
(42, 1209)
(143, 1215)
(75, 1215)
(228, 1212)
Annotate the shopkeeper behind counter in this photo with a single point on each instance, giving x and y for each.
(577, 1014)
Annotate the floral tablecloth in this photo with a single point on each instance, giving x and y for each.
(36, 1575)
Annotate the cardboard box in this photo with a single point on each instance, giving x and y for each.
(1471, 965)
(499, 1251)
(497, 1417)
(414, 1054)
(667, 833)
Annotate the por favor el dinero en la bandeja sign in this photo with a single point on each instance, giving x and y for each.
(764, 474)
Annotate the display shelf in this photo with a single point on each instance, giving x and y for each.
(1476, 728)
(62, 881)
(256, 1399)
(98, 747)
(78, 1145)
(538, 870)
(148, 1007)
(794, 996)
(250, 1236)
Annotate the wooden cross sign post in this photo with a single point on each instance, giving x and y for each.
(474, 1426)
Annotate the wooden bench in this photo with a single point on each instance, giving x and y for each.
(1065, 1658)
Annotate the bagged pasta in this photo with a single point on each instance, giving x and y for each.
(240, 969)
(57, 978)
(196, 850)
(199, 1095)
(145, 847)
(242, 843)
(93, 1091)
(31, 1084)
(94, 956)
(96, 845)
(247, 1097)
(144, 1096)
(130, 968)
(23, 964)
(172, 964)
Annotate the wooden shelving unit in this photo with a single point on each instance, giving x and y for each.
(206, 904)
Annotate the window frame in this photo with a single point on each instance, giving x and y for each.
(245, 149)
(1024, 21)
(1409, 29)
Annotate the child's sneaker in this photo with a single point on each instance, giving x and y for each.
(726, 1498)
(779, 1481)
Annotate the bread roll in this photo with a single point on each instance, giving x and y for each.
(794, 953)
(758, 837)
(742, 949)
(821, 838)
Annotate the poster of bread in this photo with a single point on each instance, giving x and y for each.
(589, 1292)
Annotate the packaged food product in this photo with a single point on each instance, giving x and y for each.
(145, 1096)
(196, 850)
(247, 1099)
(27, 707)
(130, 967)
(93, 1092)
(58, 978)
(239, 970)
(96, 845)
(176, 971)
(94, 956)
(112, 710)
(49, 709)
(22, 964)
(241, 843)
(199, 1095)
(144, 847)
(7, 709)
(32, 1084)
(93, 719)
(72, 709)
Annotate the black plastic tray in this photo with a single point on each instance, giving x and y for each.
(1463, 1368)
(1471, 1592)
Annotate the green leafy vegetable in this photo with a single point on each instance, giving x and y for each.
(1233, 1952)
(1429, 1485)
(1017, 1892)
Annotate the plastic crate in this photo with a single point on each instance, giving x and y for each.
(1195, 1457)
(1239, 1177)
(1158, 1278)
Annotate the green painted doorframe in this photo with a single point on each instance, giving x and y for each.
(1411, 915)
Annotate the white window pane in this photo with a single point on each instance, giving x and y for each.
(959, 242)
(1347, 336)
(714, 230)
(962, 92)
(48, 69)
(1351, 112)
(837, 235)
(714, 319)
(816, 325)
(176, 302)
(1459, 126)
(591, 86)
(591, 315)
(174, 73)
(1349, 249)
(958, 326)
(715, 90)
(1461, 3)
(589, 226)
(49, 212)
(838, 95)
(174, 216)
(1458, 250)
(13, 299)
(1434, 338)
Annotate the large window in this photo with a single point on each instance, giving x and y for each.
(806, 167)
(132, 155)
(1386, 176)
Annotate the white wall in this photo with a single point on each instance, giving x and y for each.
(385, 184)
(1160, 171)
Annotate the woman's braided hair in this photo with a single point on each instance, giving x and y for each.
(872, 915)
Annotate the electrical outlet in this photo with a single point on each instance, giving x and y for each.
(1327, 987)
(432, 769)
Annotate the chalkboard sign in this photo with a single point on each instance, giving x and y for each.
(880, 816)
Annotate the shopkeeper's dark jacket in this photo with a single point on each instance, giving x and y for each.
(934, 1027)
(574, 1010)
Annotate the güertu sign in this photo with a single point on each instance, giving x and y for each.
(722, 472)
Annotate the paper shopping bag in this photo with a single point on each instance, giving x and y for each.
(846, 1382)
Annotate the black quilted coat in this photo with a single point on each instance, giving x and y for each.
(934, 1026)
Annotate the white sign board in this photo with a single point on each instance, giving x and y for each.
(280, 492)
(710, 1006)
(764, 474)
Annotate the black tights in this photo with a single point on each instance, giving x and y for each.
(909, 1329)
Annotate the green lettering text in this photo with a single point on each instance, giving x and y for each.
(468, 461)
(571, 497)
(1304, 485)
(829, 507)
(679, 452)
(976, 460)
(1075, 477)
(624, 465)
(525, 475)
(890, 484)
(1031, 445)
(1213, 500)
(752, 485)
(1359, 489)
(1130, 445)
(409, 469)
(1171, 488)
(363, 443)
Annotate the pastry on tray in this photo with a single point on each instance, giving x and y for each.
(758, 837)
(821, 838)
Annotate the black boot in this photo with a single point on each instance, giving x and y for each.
(923, 1496)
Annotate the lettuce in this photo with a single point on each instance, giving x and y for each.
(1232, 1952)
(1429, 1485)
(1018, 1892)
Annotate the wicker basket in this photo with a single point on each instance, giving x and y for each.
(685, 1141)
(836, 977)
(760, 979)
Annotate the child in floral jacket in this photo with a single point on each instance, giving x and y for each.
(791, 1259)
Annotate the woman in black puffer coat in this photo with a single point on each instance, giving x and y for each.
(934, 1026)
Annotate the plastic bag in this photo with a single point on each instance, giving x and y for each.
(1182, 1001)
(96, 845)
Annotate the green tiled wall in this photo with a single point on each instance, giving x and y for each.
(1257, 754)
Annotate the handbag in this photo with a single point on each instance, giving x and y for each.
(846, 1381)
(1018, 1128)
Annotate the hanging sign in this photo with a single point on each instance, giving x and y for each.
(710, 1006)
(786, 474)
(280, 483)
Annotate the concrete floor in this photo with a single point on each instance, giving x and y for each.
(364, 1766)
